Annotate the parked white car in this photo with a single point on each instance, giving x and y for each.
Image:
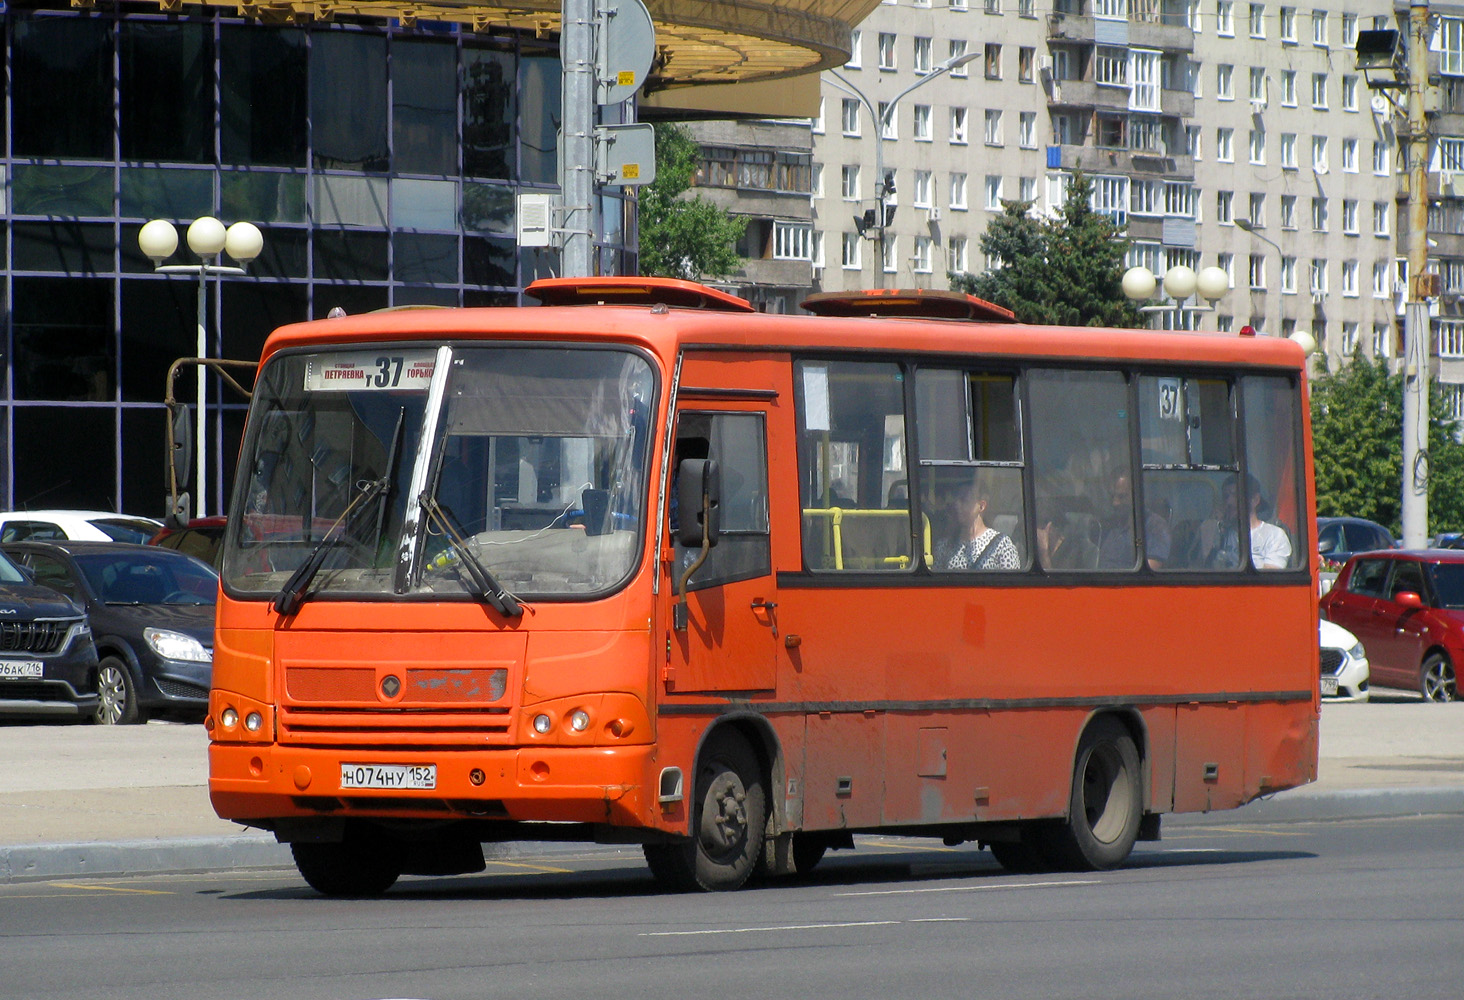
(1345, 672)
(76, 525)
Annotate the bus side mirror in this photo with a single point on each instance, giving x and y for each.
(698, 499)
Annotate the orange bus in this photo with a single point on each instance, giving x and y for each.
(641, 565)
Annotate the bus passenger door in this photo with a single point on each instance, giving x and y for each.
(731, 635)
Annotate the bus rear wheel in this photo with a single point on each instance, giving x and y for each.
(360, 865)
(727, 825)
(1106, 803)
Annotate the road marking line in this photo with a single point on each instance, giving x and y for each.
(917, 847)
(971, 888)
(941, 920)
(1237, 829)
(764, 930)
(111, 888)
(533, 868)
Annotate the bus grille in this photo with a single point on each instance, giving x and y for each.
(33, 637)
(432, 705)
(1331, 661)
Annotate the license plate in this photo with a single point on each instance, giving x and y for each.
(1329, 686)
(389, 776)
(20, 670)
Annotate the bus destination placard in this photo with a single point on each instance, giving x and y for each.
(367, 371)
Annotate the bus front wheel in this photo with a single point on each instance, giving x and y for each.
(727, 825)
(360, 865)
(1106, 805)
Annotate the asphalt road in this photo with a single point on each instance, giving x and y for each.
(1344, 909)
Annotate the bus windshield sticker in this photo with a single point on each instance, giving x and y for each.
(816, 398)
(361, 370)
(1169, 408)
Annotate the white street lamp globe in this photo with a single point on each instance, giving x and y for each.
(1304, 340)
(1179, 282)
(206, 236)
(243, 241)
(158, 239)
(1212, 282)
(1139, 283)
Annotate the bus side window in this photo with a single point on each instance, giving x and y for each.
(1082, 470)
(736, 441)
(852, 467)
(1273, 460)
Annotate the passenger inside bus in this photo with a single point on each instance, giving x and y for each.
(1116, 548)
(979, 545)
(1063, 540)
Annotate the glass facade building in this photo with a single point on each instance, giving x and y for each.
(381, 163)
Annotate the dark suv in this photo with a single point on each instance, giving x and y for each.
(1339, 537)
(48, 664)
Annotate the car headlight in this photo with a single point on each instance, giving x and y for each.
(176, 646)
(1357, 652)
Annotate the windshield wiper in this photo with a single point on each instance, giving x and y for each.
(489, 589)
(292, 594)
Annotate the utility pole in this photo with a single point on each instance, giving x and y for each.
(577, 143)
(1416, 333)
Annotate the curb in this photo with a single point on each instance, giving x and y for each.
(39, 862)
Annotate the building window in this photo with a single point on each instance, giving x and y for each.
(817, 180)
(1288, 24)
(921, 123)
(1224, 207)
(1319, 276)
(958, 192)
(890, 119)
(958, 49)
(993, 126)
(1225, 145)
(1448, 155)
(1027, 129)
(892, 254)
(1192, 141)
(1288, 150)
(1110, 66)
(958, 126)
(1288, 275)
(1111, 197)
(1226, 263)
(849, 259)
(991, 6)
(792, 240)
(922, 55)
(1450, 41)
(1258, 20)
(1224, 85)
(1349, 92)
(1288, 88)
(1349, 216)
(1257, 272)
(1258, 146)
(993, 61)
(1225, 18)
(1027, 189)
(1349, 156)
(1145, 197)
(1450, 334)
(850, 182)
(1349, 279)
(993, 193)
(1024, 64)
(1383, 338)
(1319, 215)
(1257, 210)
(1258, 85)
(856, 46)
(1380, 159)
(1349, 31)
(1179, 199)
(1319, 28)
(1144, 75)
(920, 197)
(920, 259)
(1319, 91)
(956, 255)
(1026, 8)
(817, 125)
(1380, 218)
(850, 116)
(1111, 10)
(1320, 158)
(1288, 211)
(886, 50)
(1350, 338)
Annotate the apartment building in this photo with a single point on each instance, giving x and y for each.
(1221, 133)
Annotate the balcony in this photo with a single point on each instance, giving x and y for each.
(1166, 32)
(1105, 160)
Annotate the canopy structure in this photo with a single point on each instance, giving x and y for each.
(698, 42)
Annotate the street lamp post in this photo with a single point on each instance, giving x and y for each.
(207, 238)
(881, 190)
(1180, 282)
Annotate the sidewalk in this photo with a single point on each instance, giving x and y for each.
(97, 800)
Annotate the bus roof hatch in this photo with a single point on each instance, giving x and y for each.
(924, 303)
(623, 290)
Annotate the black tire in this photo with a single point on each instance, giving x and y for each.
(360, 865)
(1106, 804)
(1437, 680)
(1020, 857)
(728, 821)
(116, 695)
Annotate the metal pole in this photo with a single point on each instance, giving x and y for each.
(200, 502)
(577, 128)
(879, 195)
(1416, 332)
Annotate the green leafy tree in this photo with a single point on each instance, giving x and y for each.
(1065, 271)
(1357, 440)
(680, 236)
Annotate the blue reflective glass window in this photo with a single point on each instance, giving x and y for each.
(424, 106)
(61, 86)
(348, 108)
(420, 204)
(166, 66)
(262, 95)
(488, 113)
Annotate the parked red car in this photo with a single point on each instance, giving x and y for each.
(1407, 609)
(200, 538)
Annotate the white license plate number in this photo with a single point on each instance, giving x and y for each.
(414, 776)
(20, 670)
(1329, 686)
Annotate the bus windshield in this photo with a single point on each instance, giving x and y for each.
(383, 475)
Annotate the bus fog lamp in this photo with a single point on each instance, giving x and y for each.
(253, 721)
(229, 718)
(542, 724)
(579, 720)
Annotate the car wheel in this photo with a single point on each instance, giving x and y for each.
(116, 695)
(1437, 678)
(360, 865)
